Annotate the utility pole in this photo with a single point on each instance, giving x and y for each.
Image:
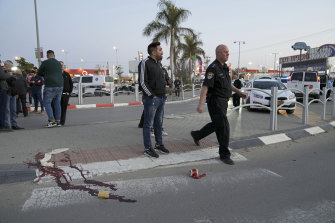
(239, 53)
(37, 35)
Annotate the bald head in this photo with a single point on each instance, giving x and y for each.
(222, 53)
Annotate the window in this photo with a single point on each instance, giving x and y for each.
(309, 76)
(268, 85)
(108, 79)
(76, 80)
(87, 79)
(297, 76)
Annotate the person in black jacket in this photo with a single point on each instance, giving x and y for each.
(67, 90)
(216, 90)
(10, 119)
(36, 83)
(4, 75)
(237, 97)
(21, 87)
(152, 83)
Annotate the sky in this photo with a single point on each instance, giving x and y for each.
(89, 29)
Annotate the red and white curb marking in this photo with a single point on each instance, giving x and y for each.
(116, 105)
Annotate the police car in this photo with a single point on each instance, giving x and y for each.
(255, 97)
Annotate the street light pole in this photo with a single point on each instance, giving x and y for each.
(37, 36)
(114, 47)
(274, 65)
(239, 53)
(65, 52)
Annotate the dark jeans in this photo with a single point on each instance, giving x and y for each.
(217, 109)
(37, 95)
(140, 125)
(63, 104)
(21, 105)
(236, 100)
(29, 91)
(10, 117)
(177, 90)
(153, 116)
(52, 95)
(3, 108)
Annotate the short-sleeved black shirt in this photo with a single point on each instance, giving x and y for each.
(218, 81)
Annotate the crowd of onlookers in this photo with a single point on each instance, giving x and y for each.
(15, 85)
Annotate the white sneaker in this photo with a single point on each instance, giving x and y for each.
(152, 134)
(51, 124)
(164, 133)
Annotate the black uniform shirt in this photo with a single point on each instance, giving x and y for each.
(218, 81)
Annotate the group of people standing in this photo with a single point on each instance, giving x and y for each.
(12, 96)
(216, 90)
(14, 87)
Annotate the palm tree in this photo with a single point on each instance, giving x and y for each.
(166, 27)
(192, 49)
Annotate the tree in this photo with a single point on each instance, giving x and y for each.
(167, 27)
(119, 72)
(191, 50)
(24, 65)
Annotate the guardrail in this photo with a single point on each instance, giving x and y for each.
(274, 103)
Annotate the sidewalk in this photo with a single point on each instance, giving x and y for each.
(117, 154)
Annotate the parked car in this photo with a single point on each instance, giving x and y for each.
(285, 96)
(107, 84)
(284, 80)
(301, 79)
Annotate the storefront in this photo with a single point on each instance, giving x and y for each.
(316, 59)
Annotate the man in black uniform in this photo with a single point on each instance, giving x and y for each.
(217, 89)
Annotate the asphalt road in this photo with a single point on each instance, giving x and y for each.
(287, 182)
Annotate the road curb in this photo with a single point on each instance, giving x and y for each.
(282, 137)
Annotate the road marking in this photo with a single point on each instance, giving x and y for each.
(274, 138)
(121, 104)
(314, 130)
(86, 106)
(50, 197)
(47, 156)
(332, 123)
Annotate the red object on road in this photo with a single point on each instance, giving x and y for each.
(195, 174)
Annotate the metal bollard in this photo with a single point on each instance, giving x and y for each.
(305, 109)
(112, 92)
(333, 97)
(182, 92)
(324, 100)
(193, 94)
(80, 93)
(136, 92)
(274, 104)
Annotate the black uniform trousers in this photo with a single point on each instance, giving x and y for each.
(217, 108)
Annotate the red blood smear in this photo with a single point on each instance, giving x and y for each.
(59, 174)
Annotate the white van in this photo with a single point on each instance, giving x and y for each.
(90, 83)
(301, 79)
(106, 85)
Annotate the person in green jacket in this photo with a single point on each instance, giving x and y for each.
(51, 70)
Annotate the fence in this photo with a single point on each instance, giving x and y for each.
(274, 103)
(192, 88)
